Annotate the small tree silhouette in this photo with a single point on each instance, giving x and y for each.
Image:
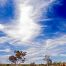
(48, 60)
(33, 64)
(19, 56)
(13, 59)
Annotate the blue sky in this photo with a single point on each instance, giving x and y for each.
(37, 27)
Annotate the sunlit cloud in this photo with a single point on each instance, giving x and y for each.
(24, 30)
(1, 27)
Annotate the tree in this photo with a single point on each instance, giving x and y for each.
(13, 59)
(48, 60)
(19, 56)
(33, 64)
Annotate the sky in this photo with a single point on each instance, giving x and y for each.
(35, 26)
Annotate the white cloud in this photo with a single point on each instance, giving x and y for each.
(25, 28)
(1, 27)
(37, 50)
(51, 43)
(49, 47)
(6, 50)
(3, 39)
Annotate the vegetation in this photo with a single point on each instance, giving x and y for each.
(33, 64)
(54, 64)
(48, 60)
(20, 56)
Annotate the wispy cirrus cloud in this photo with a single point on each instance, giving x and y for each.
(24, 30)
(6, 50)
(49, 47)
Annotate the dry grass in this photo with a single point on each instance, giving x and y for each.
(54, 64)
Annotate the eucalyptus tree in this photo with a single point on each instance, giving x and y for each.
(48, 60)
(13, 59)
(18, 57)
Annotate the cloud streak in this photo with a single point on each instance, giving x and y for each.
(24, 30)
